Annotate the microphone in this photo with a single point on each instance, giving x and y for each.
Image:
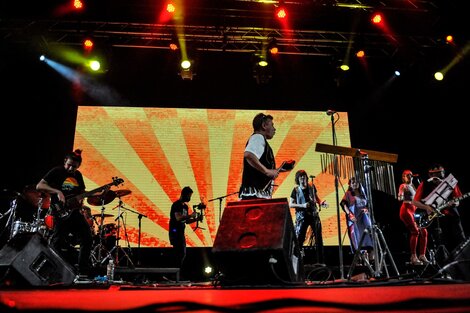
(330, 112)
(312, 176)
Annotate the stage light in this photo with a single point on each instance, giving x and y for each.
(360, 53)
(94, 65)
(78, 4)
(281, 13)
(344, 67)
(174, 44)
(439, 76)
(449, 39)
(397, 73)
(272, 47)
(208, 270)
(186, 70)
(170, 7)
(42, 58)
(377, 18)
(185, 64)
(88, 44)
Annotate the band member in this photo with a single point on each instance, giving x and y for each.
(259, 165)
(62, 182)
(304, 198)
(179, 217)
(355, 204)
(450, 224)
(406, 193)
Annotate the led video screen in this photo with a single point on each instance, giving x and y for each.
(158, 151)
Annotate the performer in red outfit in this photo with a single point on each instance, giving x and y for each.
(406, 193)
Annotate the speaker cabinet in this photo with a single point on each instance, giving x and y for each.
(27, 258)
(459, 266)
(256, 243)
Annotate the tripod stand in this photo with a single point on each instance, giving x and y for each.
(380, 247)
(117, 248)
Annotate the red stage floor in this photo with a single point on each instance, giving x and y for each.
(376, 296)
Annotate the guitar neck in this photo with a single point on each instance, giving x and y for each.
(92, 192)
(466, 195)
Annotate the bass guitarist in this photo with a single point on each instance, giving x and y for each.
(62, 182)
(450, 224)
(305, 200)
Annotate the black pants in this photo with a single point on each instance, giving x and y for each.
(75, 225)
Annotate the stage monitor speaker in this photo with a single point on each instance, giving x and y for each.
(27, 259)
(256, 244)
(459, 261)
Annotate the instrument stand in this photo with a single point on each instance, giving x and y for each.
(138, 241)
(96, 260)
(380, 247)
(440, 251)
(117, 247)
(11, 216)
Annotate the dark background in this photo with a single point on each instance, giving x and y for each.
(414, 116)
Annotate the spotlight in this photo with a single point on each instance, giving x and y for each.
(95, 65)
(272, 47)
(42, 58)
(186, 71)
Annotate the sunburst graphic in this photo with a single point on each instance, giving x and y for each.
(158, 151)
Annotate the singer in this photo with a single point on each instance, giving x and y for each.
(418, 237)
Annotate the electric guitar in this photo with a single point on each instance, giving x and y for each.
(424, 219)
(73, 202)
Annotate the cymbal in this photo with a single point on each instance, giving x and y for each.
(122, 192)
(102, 199)
(34, 197)
(104, 215)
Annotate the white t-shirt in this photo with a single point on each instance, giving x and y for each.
(256, 145)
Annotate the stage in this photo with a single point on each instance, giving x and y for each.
(166, 296)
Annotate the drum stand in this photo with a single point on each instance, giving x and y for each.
(11, 216)
(117, 247)
(96, 253)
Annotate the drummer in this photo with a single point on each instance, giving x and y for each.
(86, 212)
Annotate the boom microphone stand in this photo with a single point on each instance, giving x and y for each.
(220, 202)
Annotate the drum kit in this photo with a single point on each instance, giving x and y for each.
(29, 213)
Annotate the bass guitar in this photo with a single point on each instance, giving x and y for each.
(73, 202)
(424, 219)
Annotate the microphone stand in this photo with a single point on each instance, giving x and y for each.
(138, 240)
(220, 202)
(336, 173)
(139, 216)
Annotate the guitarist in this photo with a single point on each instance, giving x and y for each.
(450, 224)
(305, 200)
(62, 182)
